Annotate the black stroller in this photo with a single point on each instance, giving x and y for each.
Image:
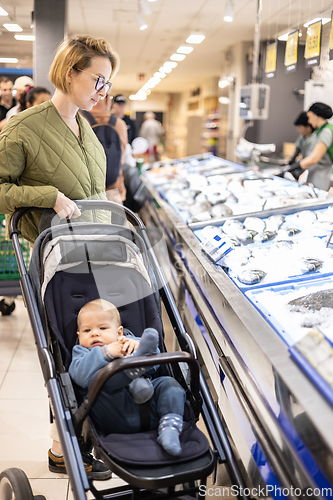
(108, 255)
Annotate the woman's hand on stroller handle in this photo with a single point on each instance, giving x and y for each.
(66, 208)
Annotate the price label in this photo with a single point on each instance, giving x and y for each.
(313, 34)
(271, 55)
(290, 56)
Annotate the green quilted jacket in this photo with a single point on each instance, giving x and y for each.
(39, 155)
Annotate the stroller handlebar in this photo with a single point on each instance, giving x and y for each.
(82, 205)
(119, 365)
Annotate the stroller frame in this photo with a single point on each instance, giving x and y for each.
(71, 420)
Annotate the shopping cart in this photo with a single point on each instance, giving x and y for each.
(9, 273)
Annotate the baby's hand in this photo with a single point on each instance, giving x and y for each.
(115, 349)
(129, 345)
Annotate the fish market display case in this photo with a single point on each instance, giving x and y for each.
(269, 368)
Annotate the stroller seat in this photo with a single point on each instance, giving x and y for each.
(116, 268)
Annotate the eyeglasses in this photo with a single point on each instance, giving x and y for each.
(100, 82)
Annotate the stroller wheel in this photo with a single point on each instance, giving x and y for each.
(6, 309)
(14, 485)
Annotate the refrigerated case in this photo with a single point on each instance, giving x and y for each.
(279, 419)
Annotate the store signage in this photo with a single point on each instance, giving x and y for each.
(271, 57)
(331, 38)
(312, 46)
(290, 55)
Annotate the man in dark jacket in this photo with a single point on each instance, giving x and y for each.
(118, 106)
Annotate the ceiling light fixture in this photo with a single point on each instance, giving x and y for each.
(229, 11)
(170, 64)
(27, 38)
(159, 74)
(141, 22)
(3, 12)
(195, 38)
(164, 69)
(324, 20)
(144, 8)
(184, 50)
(8, 60)
(177, 57)
(284, 37)
(12, 27)
(153, 81)
(224, 100)
(223, 83)
(142, 96)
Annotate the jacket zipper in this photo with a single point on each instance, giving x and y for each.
(93, 189)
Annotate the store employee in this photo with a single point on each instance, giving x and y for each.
(319, 161)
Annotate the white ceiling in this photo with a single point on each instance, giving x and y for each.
(169, 25)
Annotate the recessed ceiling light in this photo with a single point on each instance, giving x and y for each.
(184, 50)
(142, 96)
(195, 38)
(153, 81)
(170, 64)
(223, 83)
(284, 37)
(8, 60)
(12, 27)
(3, 12)
(177, 57)
(159, 74)
(28, 38)
(163, 69)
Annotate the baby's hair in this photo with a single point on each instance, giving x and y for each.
(100, 305)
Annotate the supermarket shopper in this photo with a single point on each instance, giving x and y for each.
(152, 130)
(6, 99)
(101, 115)
(21, 85)
(49, 154)
(36, 95)
(118, 107)
(319, 160)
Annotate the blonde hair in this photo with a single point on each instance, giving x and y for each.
(78, 51)
(100, 305)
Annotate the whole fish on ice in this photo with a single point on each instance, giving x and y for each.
(314, 301)
(251, 276)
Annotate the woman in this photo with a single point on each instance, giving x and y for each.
(319, 161)
(101, 113)
(36, 95)
(49, 155)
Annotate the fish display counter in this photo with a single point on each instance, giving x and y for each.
(258, 305)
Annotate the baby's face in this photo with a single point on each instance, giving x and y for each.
(97, 328)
